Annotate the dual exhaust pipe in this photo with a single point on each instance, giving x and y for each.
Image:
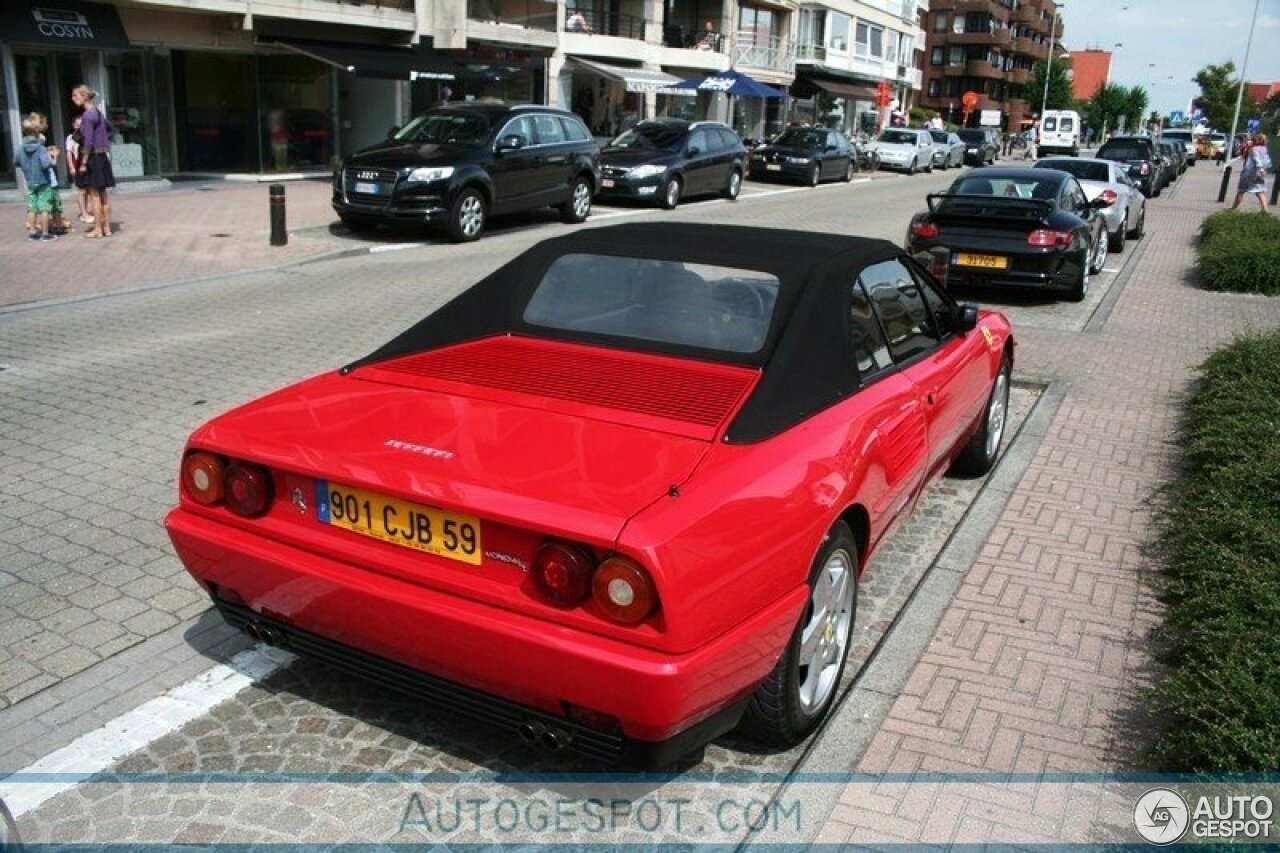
(547, 737)
(264, 634)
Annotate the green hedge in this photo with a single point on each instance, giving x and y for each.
(1240, 252)
(1222, 547)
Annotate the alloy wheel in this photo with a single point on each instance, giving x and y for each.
(824, 640)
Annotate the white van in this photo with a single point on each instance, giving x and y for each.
(1060, 133)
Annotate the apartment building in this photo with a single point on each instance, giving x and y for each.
(846, 48)
(273, 86)
(987, 47)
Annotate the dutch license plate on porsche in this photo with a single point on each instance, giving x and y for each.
(989, 262)
(409, 525)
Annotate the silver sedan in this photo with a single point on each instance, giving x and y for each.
(1126, 216)
(948, 149)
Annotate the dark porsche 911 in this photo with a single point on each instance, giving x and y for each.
(1024, 228)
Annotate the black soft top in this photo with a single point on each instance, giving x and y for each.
(805, 360)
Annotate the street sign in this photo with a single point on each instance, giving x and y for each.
(970, 100)
(883, 94)
(989, 118)
(1252, 126)
(1176, 117)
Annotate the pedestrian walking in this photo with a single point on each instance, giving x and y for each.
(1253, 171)
(95, 166)
(32, 159)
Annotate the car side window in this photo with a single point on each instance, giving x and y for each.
(940, 310)
(902, 310)
(728, 139)
(714, 143)
(573, 130)
(521, 127)
(866, 339)
(549, 130)
(698, 140)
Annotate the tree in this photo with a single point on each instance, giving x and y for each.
(1060, 95)
(1219, 88)
(1135, 104)
(1104, 110)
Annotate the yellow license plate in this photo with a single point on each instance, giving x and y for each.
(991, 262)
(410, 525)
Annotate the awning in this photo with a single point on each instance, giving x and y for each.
(635, 79)
(388, 63)
(61, 23)
(845, 90)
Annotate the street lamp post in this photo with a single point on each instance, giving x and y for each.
(1048, 68)
(1244, 69)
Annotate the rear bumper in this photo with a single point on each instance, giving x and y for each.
(470, 655)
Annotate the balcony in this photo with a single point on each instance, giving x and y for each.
(772, 54)
(981, 68)
(995, 37)
(1028, 15)
(913, 78)
(815, 54)
(1018, 76)
(530, 14)
(603, 22)
(1026, 45)
(690, 38)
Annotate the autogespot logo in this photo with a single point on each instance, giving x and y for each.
(1161, 816)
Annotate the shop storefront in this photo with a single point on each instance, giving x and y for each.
(837, 104)
(46, 51)
(611, 98)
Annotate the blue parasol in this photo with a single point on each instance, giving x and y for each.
(731, 83)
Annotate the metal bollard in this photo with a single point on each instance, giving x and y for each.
(1275, 189)
(1222, 190)
(280, 236)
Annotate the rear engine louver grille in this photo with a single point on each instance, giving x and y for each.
(677, 389)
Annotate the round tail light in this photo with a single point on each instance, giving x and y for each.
(247, 489)
(202, 478)
(561, 572)
(623, 591)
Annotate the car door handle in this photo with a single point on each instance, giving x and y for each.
(931, 398)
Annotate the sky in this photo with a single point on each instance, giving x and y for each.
(1165, 42)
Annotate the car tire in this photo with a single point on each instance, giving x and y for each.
(1098, 258)
(357, 225)
(1080, 287)
(1136, 233)
(815, 175)
(1115, 239)
(848, 172)
(467, 216)
(669, 194)
(928, 170)
(793, 700)
(734, 187)
(578, 207)
(983, 448)
(911, 170)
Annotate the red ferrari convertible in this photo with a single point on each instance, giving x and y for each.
(616, 496)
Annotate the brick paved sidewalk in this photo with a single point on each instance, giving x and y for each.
(188, 232)
(1037, 663)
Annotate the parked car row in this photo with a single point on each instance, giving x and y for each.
(1151, 163)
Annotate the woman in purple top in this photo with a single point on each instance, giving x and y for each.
(95, 165)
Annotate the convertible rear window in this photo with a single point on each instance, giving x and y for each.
(666, 302)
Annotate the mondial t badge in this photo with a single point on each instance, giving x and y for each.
(986, 333)
(299, 501)
(420, 449)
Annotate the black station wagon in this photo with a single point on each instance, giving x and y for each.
(459, 164)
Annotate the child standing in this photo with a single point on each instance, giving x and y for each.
(33, 160)
(74, 160)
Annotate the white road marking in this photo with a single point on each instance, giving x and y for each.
(97, 750)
